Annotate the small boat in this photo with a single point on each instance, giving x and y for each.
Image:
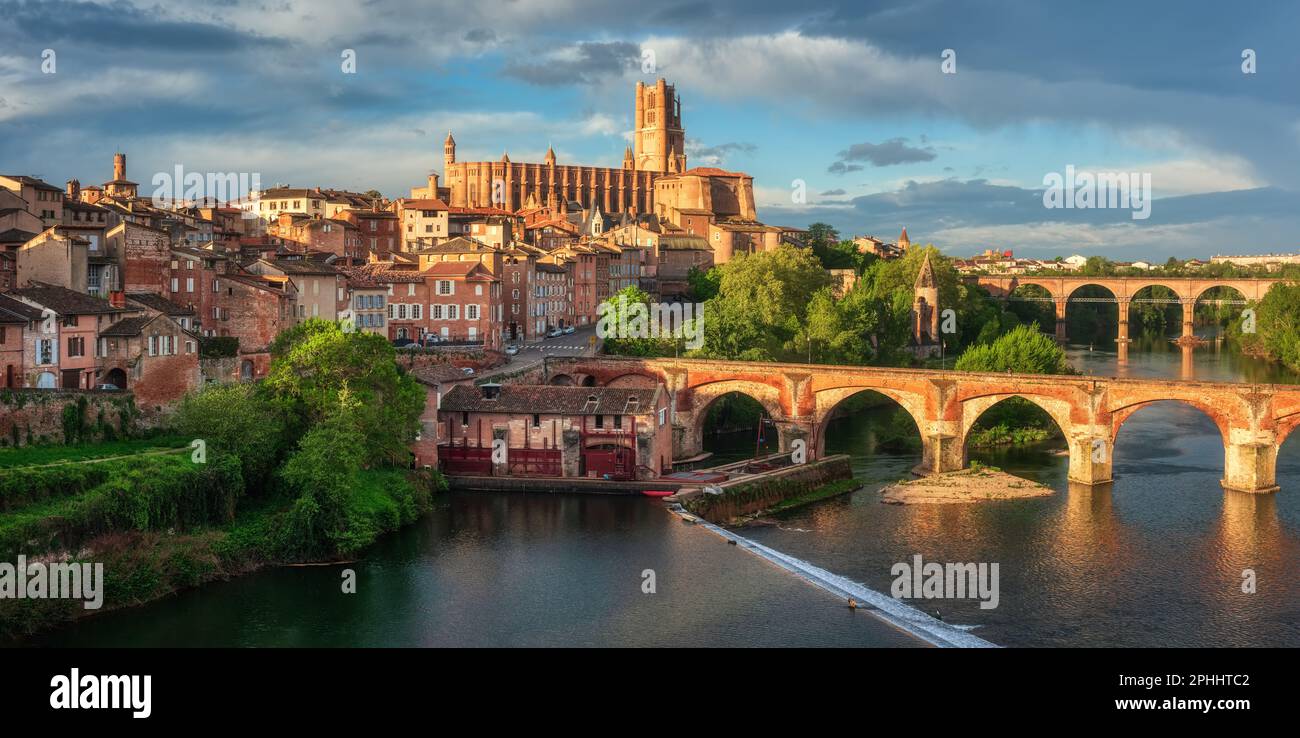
(657, 492)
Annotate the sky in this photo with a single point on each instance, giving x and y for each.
(948, 118)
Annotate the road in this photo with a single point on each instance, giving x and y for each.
(582, 342)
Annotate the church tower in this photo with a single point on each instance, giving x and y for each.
(448, 154)
(925, 306)
(904, 242)
(659, 137)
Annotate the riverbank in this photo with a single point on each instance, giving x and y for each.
(160, 524)
(977, 484)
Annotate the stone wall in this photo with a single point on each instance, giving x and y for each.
(30, 416)
(752, 496)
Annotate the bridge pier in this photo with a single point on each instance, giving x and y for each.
(1121, 341)
(1250, 461)
(1060, 319)
(1189, 317)
(942, 449)
(1090, 459)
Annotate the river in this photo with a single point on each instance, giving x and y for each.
(1156, 559)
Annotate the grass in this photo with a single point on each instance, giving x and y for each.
(14, 458)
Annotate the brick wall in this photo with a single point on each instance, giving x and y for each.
(36, 416)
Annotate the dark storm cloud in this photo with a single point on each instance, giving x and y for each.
(118, 25)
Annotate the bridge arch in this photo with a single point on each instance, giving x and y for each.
(827, 400)
(974, 407)
(703, 396)
(1120, 415)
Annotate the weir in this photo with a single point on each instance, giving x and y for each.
(893, 611)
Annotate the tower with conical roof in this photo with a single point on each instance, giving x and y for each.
(925, 305)
(904, 243)
(448, 154)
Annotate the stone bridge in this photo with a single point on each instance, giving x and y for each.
(1124, 289)
(1253, 419)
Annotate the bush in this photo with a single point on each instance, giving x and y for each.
(218, 347)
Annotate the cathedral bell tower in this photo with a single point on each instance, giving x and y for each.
(659, 140)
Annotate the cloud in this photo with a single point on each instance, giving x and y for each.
(833, 193)
(716, 155)
(583, 63)
(885, 154)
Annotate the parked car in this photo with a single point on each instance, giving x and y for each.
(512, 350)
(430, 339)
(467, 371)
(402, 342)
(109, 388)
(569, 329)
(555, 333)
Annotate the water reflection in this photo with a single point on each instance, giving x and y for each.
(1155, 558)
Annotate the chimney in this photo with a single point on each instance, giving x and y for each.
(119, 167)
(491, 390)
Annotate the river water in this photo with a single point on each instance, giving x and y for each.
(1156, 559)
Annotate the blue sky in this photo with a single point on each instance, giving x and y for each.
(848, 98)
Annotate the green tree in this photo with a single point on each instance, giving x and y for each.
(236, 420)
(316, 362)
(704, 283)
(1023, 350)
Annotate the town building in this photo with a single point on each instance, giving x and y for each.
(62, 351)
(152, 356)
(19, 323)
(551, 431)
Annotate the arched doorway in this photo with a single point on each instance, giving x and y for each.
(46, 380)
(116, 377)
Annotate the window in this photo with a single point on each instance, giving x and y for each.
(471, 312)
(537, 420)
(453, 312)
(600, 421)
(76, 346)
(416, 311)
(175, 284)
(153, 345)
(663, 415)
(392, 311)
(464, 419)
(445, 287)
(618, 421)
(435, 312)
(45, 351)
(189, 284)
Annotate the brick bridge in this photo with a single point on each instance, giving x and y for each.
(1253, 419)
(1124, 289)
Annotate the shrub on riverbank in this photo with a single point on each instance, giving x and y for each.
(150, 493)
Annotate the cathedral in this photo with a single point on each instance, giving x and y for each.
(658, 149)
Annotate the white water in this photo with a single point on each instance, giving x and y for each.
(893, 611)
